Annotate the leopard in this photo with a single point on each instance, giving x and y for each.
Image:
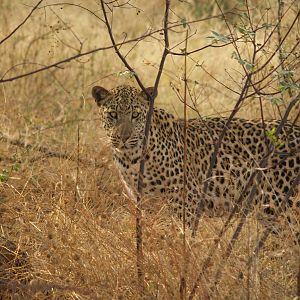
(179, 154)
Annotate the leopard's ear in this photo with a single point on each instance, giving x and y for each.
(150, 91)
(100, 94)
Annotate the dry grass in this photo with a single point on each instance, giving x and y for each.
(67, 229)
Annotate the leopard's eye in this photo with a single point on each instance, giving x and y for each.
(135, 114)
(113, 114)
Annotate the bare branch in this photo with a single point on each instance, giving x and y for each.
(22, 23)
(71, 58)
(122, 58)
(218, 145)
(182, 288)
(72, 4)
(140, 271)
(46, 151)
(268, 230)
(248, 184)
(280, 44)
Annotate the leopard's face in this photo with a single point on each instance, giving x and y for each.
(123, 113)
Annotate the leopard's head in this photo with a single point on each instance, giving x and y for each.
(123, 112)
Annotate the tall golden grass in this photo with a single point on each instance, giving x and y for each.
(67, 228)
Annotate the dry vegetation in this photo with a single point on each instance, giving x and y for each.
(67, 229)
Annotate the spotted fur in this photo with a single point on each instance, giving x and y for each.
(123, 111)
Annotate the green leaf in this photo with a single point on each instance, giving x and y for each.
(4, 175)
(286, 72)
(183, 21)
(276, 101)
(245, 15)
(266, 25)
(218, 37)
(234, 55)
(245, 31)
(278, 143)
(249, 66)
(127, 74)
(15, 167)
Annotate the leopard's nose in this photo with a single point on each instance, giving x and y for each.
(125, 137)
(125, 133)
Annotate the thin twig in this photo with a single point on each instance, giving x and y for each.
(22, 23)
(275, 27)
(238, 204)
(139, 232)
(184, 194)
(47, 152)
(280, 44)
(72, 4)
(71, 58)
(217, 147)
(77, 164)
(248, 184)
(268, 230)
(122, 58)
(151, 108)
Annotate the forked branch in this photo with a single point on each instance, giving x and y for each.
(151, 97)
